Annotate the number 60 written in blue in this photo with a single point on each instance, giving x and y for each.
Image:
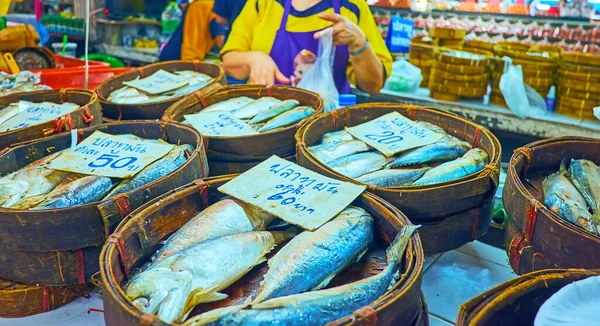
(108, 159)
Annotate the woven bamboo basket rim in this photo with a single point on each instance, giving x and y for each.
(595, 77)
(442, 82)
(486, 173)
(414, 255)
(184, 105)
(528, 74)
(467, 91)
(418, 40)
(512, 172)
(421, 63)
(502, 51)
(451, 57)
(447, 32)
(572, 67)
(471, 313)
(581, 58)
(514, 46)
(451, 42)
(583, 114)
(528, 65)
(444, 97)
(460, 78)
(567, 92)
(481, 45)
(590, 87)
(579, 104)
(467, 70)
(480, 51)
(545, 48)
(169, 66)
(62, 96)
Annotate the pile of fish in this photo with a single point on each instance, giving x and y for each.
(573, 191)
(38, 187)
(343, 153)
(190, 81)
(263, 114)
(225, 241)
(25, 81)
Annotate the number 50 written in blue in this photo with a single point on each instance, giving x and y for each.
(114, 162)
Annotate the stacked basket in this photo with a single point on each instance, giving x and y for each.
(578, 84)
(538, 64)
(448, 37)
(457, 74)
(422, 53)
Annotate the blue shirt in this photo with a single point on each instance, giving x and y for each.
(229, 9)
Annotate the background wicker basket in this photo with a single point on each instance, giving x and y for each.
(154, 110)
(228, 155)
(451, 213)
(139, 236)
(88, 114)
(537, 238)
(61, 246)
(517, 301)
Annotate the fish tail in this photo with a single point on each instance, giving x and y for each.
(396, 250)
(213, 315)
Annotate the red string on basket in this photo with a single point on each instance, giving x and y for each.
(367, 315)
(63, 94)
(516, 245)
(80, 267)
(200, 95)
(476, 218)
(87, 115)
(196, 64)
(147, 319)
(203, 187)
(45, 299)
(531, 219)
(117, 240)
(269, 93)
(123, 205)
(94, 310)
(334, 117)
(477, 135)
(411, 111)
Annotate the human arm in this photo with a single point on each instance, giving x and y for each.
(222, 9)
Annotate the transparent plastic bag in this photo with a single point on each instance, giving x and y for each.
(319, 78)
(522, 100)
(597, 112)
(405, 77)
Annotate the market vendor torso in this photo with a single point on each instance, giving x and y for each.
(295, 33)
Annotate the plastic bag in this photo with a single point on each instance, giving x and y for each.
(405, 77)
(522, 100)
(319, 78)
(597, 112)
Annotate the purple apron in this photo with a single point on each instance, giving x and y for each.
(288, 44)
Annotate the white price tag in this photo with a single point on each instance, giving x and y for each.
(119, 156)
(393, 133)
(219, 124)
(159, 82)
(293, 193)
(32, 114)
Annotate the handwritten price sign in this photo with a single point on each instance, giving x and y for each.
(393, 133)
(217, 124)
(32, 114)
(159, 82)
(119, 156)
(293, 193)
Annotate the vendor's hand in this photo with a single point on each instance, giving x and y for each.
(264, 71)
(344, 32)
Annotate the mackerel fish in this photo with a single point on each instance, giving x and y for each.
(328, 152)
(315, 308)
(288, 118)
(82, 191)
(41, 179)
(250, 110)
(12, 110)
(167, 164)
(586, 177)
(11, 191)
(336, 136)
(230, 105)
(563, 198)
(473, 161)
(310, 260)
(173, 286)
(393, 177)
(275, 111)
(355, 165)
(448, 149)
(225, 217)
(430, 126)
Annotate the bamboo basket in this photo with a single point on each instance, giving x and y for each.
(154, 110)
(570, 93)
(502, 50)
(444, 97)
(460, 69)
(451, 213)
(537, 238)
(482, 45)
(517, 301)
(21, 300)
(580, 58)
(61, 246)
(459, 58)
(576, 68)
(139, 236)
(447, 33)
(88, 114)
(238, 154)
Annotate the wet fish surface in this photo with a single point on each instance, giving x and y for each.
(329, 152)
(173, 286)
(355, 165)
(276, 110)
(319, 307)
(447, 150)
(82, 191)
(585, 175)
(288, 118)
(11, 191)
(225, 217)
(310, 260)
(393, 177)
(167, 164)
(336, 136)
(250, 110)
(230, 105)
(473, 161)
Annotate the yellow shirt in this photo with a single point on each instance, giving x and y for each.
(256, 26)
(197, 40)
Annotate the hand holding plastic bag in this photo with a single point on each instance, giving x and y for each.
(319, 78)
(521, 99)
